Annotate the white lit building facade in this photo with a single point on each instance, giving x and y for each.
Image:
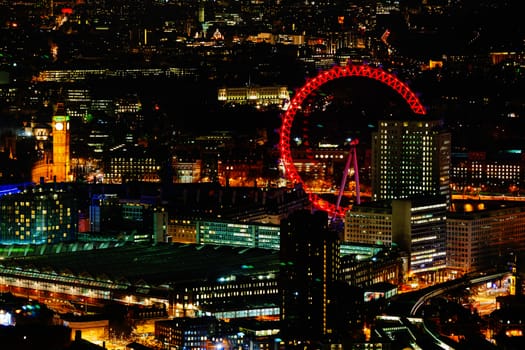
(131, 163)
(416, 226)
(75, 75)
(479, 170)
(186, 170)
(410, 158)
(482, 235)
(259, 96)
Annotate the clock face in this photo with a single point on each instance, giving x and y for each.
(59, 126)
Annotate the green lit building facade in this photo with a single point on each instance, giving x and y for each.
(239, 234)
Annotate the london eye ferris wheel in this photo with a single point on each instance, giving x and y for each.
(321, 127)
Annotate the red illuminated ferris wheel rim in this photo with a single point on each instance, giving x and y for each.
(311, 85)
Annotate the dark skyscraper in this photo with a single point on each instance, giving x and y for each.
(309, 269)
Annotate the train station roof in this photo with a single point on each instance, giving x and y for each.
(135, 265)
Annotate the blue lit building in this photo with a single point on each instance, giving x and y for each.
(12, 188)
(138, 219)
(103, 211)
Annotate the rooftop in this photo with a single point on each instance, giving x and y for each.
(135, 265)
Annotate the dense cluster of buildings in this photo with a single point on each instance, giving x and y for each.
(139, 167)
(426, 234)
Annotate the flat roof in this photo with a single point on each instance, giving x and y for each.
(160, 264)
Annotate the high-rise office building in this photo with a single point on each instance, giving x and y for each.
(410, 158)
(310, 262)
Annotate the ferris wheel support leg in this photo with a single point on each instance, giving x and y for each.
(352, 157)
(343, 180)
(356, 178)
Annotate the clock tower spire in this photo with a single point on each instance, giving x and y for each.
(61, 135)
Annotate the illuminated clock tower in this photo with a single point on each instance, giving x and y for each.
(61, 162)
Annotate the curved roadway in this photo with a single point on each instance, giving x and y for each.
(404, 309)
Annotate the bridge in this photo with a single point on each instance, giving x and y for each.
(443, 288)
(405, 319)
